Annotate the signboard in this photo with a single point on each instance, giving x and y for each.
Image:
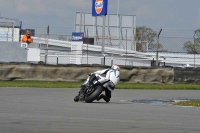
(24, 45)
(76, 52)
(99, 7)
(33, 55)
(77, 36)
(77, 47)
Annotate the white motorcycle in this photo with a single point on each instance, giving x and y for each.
(96, 84)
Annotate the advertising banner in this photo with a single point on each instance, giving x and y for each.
(99, 7)
(77, 36)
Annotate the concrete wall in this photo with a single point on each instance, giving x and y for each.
(187, 75)
(12, 52)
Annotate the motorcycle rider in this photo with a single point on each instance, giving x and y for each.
(112, 74)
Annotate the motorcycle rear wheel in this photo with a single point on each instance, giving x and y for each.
(98, 90)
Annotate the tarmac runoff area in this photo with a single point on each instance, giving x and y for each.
(48, 110)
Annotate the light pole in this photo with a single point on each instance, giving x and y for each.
(194, 46)
(157, 46)
(117, 15)
(118, 21)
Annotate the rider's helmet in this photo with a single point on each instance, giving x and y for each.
(115, 67)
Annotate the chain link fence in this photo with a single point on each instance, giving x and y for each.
(172, 51)
(179, 51)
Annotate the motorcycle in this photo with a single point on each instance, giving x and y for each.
(91, 90)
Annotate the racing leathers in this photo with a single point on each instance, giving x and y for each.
(112, 77)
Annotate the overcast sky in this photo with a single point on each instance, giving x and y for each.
(174, 16)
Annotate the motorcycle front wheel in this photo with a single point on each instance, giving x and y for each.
(97, 91)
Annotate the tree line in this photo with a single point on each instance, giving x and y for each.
(144, 33)
(193, 47)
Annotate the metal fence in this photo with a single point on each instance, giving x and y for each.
(169, 44)
(171, 50)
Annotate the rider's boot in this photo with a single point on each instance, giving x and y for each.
(76, 98)
(104, 97)
(81, 94)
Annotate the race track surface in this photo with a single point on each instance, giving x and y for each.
(42, 110)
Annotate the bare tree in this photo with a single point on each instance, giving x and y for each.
(145, 34)
(193, 47)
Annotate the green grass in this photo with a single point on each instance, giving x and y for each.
(40, 84)
(195, 103)
(125, 85)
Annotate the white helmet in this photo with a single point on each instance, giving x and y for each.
(115, 67)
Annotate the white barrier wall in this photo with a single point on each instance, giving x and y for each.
(12, 52)
(76, 52)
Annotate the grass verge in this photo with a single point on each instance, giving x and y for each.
(40, 84)
(125, 85)
(193, 103)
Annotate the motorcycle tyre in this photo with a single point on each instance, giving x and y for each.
(94, 95)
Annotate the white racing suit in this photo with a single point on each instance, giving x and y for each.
(112, 76)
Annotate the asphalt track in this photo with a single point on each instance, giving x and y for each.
(41, 110)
